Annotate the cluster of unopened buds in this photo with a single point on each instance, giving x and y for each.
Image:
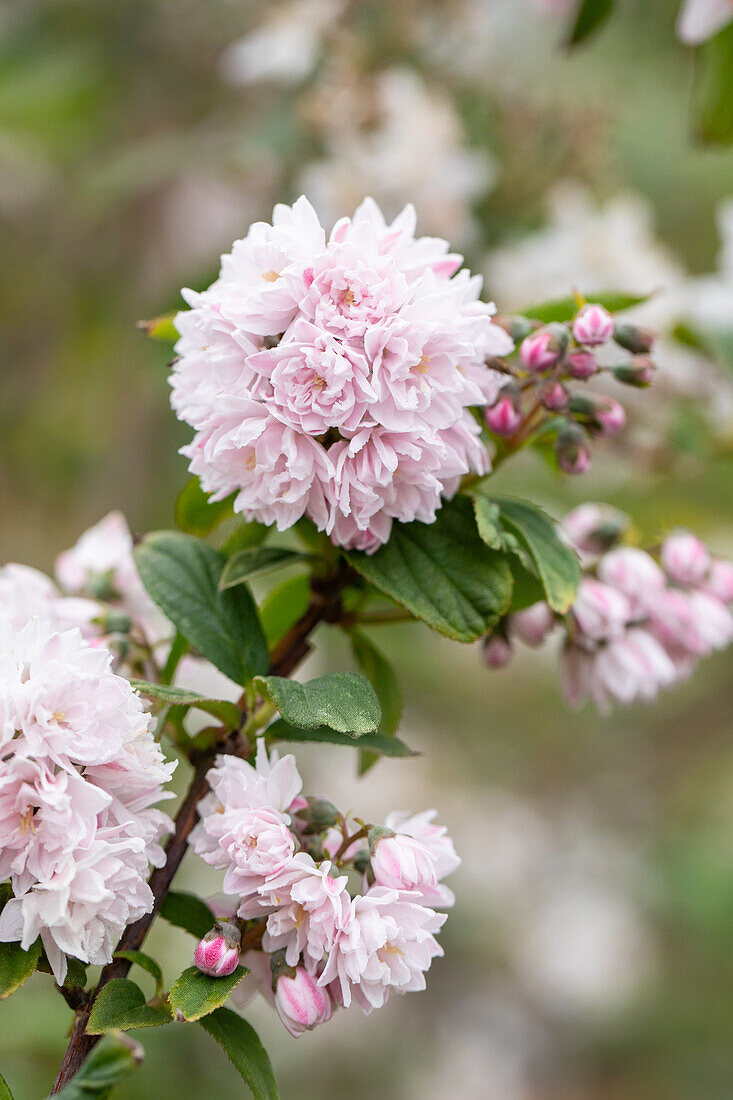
(640, 621)
(325, 914)
(537, 396)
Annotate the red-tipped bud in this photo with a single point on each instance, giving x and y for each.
(636, 340)
(571, 447)
(496, 651)
(603, 415)
(593, 325)
(639, 372)
(582, 365)
(504, 417)
(554, 396)
(218, 952)
(541, 349)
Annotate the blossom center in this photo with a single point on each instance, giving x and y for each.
(270, 276)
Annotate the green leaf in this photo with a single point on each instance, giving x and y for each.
(196, 514)
(182, 576)
(144, 961)
(368, 742)
(442, 572)
(109, 1063)
(490, 528)
(188, 912)
(557, 565)
(5, 1093)
(161, 328)
(590, 15)
(257, 559)
(713, 95)
(563, 309)
(195, 994)
(120, 1005)
(528, 589)
(284, 606)
(343, 701)
(226, 712)
(246, 534)
(16, 966)
(381, 675)
(242, 1046)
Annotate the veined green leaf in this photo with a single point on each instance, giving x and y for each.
(196, 513)
(110, 1062)
(120, 1006)
(381, 675)
(188, 912)
(556, 564)
(146, 963)
(343, 701)
(256, 559)
(563, 309)
(195, 994)
(366, 742)
(226, 712)
(245, 1051)
(16, 966)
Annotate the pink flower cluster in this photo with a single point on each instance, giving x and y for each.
(80, 779)
(332, 377)
(637, 625)
(285, 862)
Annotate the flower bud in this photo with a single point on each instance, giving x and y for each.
(541, 349)
(719, 582)
(639, 372)
(685, 557)
(571, 448)
(318, 815)
(595, 528)
(504, 417)
(554, 396)
(609, 417)
(218, 952)
(600, 610)
(636, 340)
(593, 325)
(115, 622)
(496, 650)
(532, 625)
(582, 365)
(401, 863)
(300, 1002)
(516, 327)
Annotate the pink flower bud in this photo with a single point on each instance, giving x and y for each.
(573, 454)
(593, 325)
(600, 611)
(719, 581)
(636, 340)
(554, 396)
(685, 557)
(609, 416)
(532, 625)
(594, 528)
(582, 365)
(503, 418)
(218, 952)
(497, 651)
(541, 349)
(639, 372)
(402, 863)
(300, 1002)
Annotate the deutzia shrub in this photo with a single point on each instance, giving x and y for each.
(352, 393)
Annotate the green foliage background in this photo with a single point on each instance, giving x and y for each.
(106, 111)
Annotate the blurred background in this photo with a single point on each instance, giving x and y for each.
(589, 955)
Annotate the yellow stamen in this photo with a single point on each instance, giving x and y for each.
(270, 276)
(27, 821)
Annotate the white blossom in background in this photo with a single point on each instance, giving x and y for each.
(80, 780)
(285, 47)
(413, 149)
(27, 593)
(709, 298)
(699, 20)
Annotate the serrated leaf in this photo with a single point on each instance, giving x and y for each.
(161, 328)
(242, 1046)
(556, 564)
(5, 1093)
(246, 534)
(182, 576)
(195, 994)
(110, 1062)
(284, 606)
(256, 559)
(714, 80)
(196, 514)
(344, 701)
(16, 966)
(564, 309)
(120, 1006)
(368, 742)
(146, 963)
(226, 712)
(381, 675)
(442, 572)
(589, 17)
(188, 912)
(490, 528)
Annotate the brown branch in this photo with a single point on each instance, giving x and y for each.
(325, 605)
